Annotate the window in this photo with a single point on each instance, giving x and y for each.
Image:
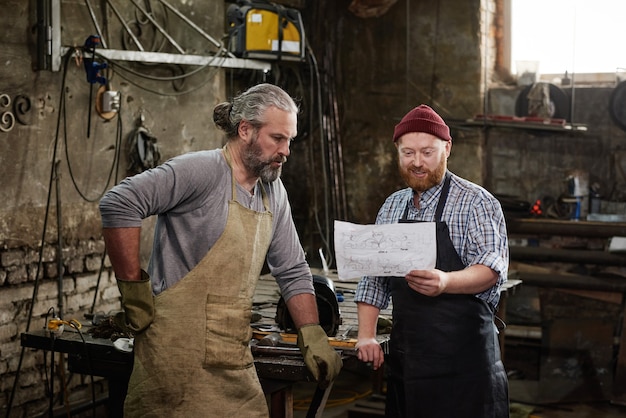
(577, 36)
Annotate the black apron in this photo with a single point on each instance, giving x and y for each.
(444, 357)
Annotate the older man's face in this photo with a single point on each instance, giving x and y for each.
(268, 148)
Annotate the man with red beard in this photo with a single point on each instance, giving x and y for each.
(221, 214)
(444, 358)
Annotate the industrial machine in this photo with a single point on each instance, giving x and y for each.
(263, 30)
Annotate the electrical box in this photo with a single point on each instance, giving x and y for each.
(264, 30)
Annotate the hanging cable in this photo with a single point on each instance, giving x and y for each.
(65, 61)
(114, 163)
(160, 93)
(324, 230)
(104, 253)
(433, 74)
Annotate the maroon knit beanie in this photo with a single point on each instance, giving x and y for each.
(422, 119)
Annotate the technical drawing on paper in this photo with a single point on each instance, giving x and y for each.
(383, 250)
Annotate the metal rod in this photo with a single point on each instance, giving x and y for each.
(89, 112)
(95, 23)
(159, 28)
(126, 27)
(193, 25)
(57, 182)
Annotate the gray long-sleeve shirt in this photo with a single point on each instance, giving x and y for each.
(190, 194)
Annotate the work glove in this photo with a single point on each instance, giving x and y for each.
(321, 359)
(138, 304)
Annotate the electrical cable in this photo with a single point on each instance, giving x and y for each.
(65, 61)
(407, 52)
(52, 178)
(53, 327)
(138, 16)
(351, 396)
(316, 85)
(139, 22)
(160, 93)
(45, 357)
(89, 364)
(146, 16)
(159, 27)
(114, 163)
(157, 78)
(433, 75)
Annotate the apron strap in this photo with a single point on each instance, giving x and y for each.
(444, 196)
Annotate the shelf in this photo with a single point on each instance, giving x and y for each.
(512, 122)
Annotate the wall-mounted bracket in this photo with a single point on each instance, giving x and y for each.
(166, 58)
(48, 35)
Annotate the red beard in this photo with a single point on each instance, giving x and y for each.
(432, 179)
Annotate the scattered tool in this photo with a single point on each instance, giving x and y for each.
(337, 342)
(270, 340)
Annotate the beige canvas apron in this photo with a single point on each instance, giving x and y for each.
(194, 360)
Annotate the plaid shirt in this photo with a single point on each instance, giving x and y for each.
(477, 230)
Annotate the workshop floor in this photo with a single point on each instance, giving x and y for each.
(352, 393)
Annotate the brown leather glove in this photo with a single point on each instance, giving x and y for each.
(321, 359)
(138, 304)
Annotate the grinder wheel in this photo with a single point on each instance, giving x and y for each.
(327, 307)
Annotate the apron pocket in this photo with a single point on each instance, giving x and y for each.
(228, 333)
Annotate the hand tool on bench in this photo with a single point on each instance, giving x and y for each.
(336, 342)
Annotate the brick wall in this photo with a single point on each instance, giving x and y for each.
(18, 269)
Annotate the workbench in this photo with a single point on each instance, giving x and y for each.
(99, 357)
(582, 295)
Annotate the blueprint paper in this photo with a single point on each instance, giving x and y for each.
(384, 250)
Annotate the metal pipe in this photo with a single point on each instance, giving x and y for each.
(59, 238)
(570, 228)
(159, 28)
(126, 27)
(193, 25)
(571, 281)
(95, 23)
(542, 254)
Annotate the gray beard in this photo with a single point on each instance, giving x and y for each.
(269, 174)
(252, 161)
